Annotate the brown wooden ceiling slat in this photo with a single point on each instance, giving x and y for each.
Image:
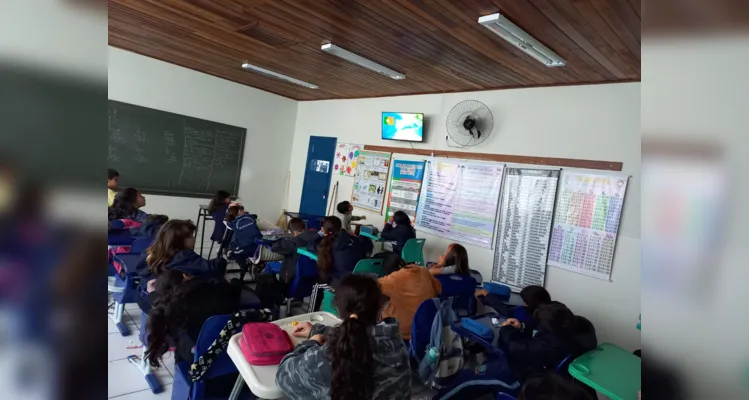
(610, 16)
(571, 30)
(610, 38)
(636, 6)
(438, 44)
(581, 61)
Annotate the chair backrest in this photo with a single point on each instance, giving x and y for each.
(370, 266)
(413, 251)
(462, 288)
(218, 224)
(421, 328)
(306, 276)
(368, 229)
(222, 365)
(328, 302)
(140, 245)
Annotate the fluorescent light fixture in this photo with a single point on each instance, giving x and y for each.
(278, 76)
(361, 61)
(510, 32)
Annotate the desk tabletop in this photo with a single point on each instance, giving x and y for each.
(262, 379)
(486, 320)
(609, 369)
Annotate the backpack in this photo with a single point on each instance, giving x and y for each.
(444, 355)
(264, 343)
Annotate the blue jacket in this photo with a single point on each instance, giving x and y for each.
(347, 251)
(147, 229)
(245, 232)
(399, 235)
(186, 261)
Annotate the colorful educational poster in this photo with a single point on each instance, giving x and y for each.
(586, 223)
(524, 227)
(370, 182)
(459, 200)
(346, 159)
(405, 186)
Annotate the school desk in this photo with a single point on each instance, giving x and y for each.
(262, 379)
(484, 319)
(609, 369)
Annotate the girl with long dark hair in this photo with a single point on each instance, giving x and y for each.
(398, 230)
(127, 205)
(220, 200)
(360, 359)
(337, 251)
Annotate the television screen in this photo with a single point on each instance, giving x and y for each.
(403, 126)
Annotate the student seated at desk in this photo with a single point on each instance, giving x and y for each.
(173, 248)
(407, 287)
(455, 261)
(362, 358)
(559, 334)
(113, 178)
(533, 296)
(245, 229)
(127, 205)
(337, 254)
(344, 211)
(288, 247)
(398, 230)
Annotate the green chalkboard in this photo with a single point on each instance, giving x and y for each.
(170, 154)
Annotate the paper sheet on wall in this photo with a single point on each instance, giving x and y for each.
(524, 227)
(346, 159)
(405, 186)
(459, 200)
(587, 222)
(370, 182)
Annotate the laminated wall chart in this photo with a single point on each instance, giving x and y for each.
(459, 200)
(346, 156)
(370, 182)
(587, 222)
(524, 227)
(405, 186)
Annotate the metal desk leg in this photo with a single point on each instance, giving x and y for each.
(202, 235)
(237, 389)
(200, 212)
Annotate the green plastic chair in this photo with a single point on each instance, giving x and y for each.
(328, 302)
(413, 251)
(370, 266)
(610, 370)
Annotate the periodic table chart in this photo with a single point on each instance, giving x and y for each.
(586, 223)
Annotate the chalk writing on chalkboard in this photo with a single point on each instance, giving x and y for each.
(165, 153)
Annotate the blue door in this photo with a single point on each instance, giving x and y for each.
(317, 175)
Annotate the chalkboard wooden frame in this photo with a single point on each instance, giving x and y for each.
(187, 120)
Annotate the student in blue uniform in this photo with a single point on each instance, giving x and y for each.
(398, 230)
(127, 205)
(558, 334)
(287, 247)
(173, 249)
(245, 231)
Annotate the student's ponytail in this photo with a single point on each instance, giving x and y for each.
(168, 313)
(331, 226)
(358, 300)
(352, 363)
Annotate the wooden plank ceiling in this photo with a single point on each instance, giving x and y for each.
(437, 44)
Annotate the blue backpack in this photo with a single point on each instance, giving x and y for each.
(443, 357)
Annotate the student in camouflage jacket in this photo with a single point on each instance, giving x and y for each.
(359, 359)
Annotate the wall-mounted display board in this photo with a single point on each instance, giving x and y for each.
(370, 182)
(459, 200)
(524, 227)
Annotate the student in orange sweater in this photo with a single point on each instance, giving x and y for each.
(407, 287)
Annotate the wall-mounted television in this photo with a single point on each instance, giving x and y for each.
(403, 126)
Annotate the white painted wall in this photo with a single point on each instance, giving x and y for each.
(600, 122)
(269, 120)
